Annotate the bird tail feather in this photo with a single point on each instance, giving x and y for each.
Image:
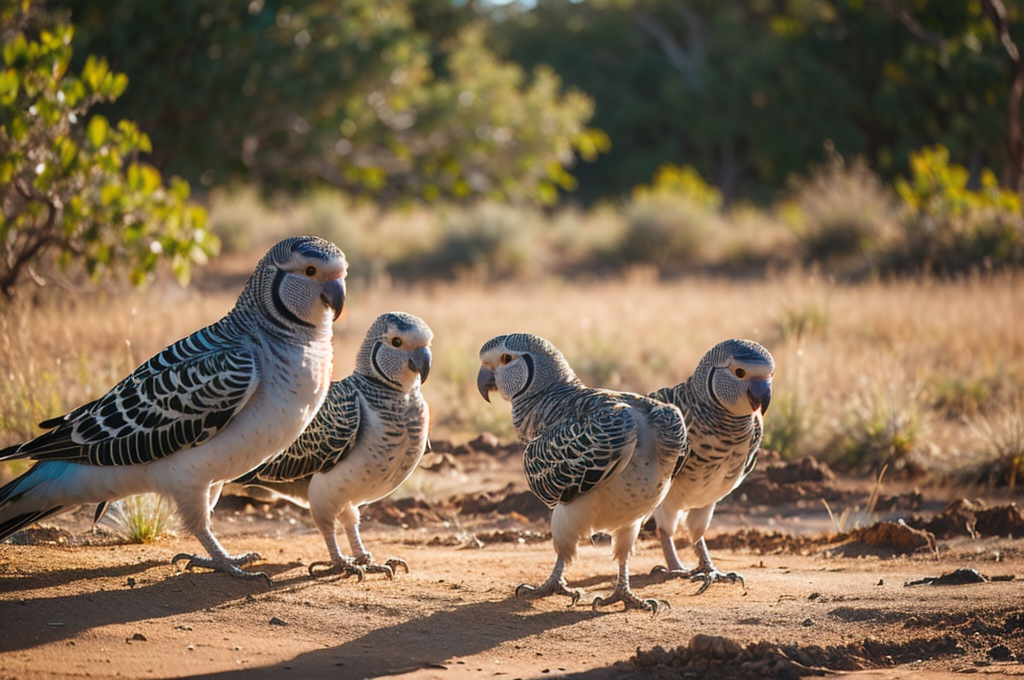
(10, 494)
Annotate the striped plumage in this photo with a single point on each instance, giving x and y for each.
(200, 412)
(724, 403)
(602, 460)
(366, 440)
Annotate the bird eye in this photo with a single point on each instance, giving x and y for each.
(740, 373)
(310, 270)
(505, 358)
(396, 342)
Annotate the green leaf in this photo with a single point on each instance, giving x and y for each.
(9, 85)
(98, 131)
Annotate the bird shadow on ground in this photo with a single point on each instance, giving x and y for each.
(43, 620)
(425, 642)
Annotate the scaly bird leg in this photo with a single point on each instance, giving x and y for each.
(706, 571)
(326, 522)
(555, 585)
(675, 568)
(624, 595)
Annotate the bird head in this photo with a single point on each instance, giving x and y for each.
(520, 365)
(303, 281)
(396, 350)
(738, 375)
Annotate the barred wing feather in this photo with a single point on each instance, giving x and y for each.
(573, 457)
(177, 400)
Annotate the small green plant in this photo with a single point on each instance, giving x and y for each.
(880, 428)
(959, 397)
(140, 519)
(1000, 441)
(797, 323)
(786, 426)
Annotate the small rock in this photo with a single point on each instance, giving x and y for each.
(1000, 653)
(138, 637)
(807, 622)
(131, 582)
(274, 621)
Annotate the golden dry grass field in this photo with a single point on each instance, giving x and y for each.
(925, 374)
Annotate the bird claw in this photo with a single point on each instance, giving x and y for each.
(630, 601)
(708, 577)
(525, 591)
(346, 569)
(229, 566)
(386, 569)
(395, 562)
(662, 570)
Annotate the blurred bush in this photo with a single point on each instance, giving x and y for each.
(949, 227)
(843, 217)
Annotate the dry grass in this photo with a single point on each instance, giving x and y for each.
(891, 346)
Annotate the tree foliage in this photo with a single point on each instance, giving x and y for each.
(70, 187)
(750, 92)
(389, 99)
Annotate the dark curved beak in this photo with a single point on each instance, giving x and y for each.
(759, 392)
(333, 295)
(419, 361)
(485, 382)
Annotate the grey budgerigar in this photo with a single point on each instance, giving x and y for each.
(366, 440)
(724, 403)
(203, 411)
(601, 460)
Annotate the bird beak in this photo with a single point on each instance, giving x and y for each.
(485, 382)
(759, 393)
(333, 295)
(419, 362)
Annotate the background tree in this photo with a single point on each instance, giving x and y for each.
(70, 188)
(389, 99)
(749, 93)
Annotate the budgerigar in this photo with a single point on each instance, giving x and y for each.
(202, 411)
(724, 403)
(601, 460)
(367, 439)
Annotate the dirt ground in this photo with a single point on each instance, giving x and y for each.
(74, 605)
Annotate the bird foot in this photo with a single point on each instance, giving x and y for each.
(395, 562)
(675, 572)
(345, 567)
(629, 601)
(231, 565)
(388, 568)
(550, 587)
(714, 576)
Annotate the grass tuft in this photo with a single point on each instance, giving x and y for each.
(140, 519)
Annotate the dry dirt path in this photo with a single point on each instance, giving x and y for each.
(123, 611)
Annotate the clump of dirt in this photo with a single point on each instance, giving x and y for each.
(767, 542)
(504, 502)
(404, 512)
(486, 443)
(963, 576)
(724, 659)
(897, 537)
(809, 481)
(804, 470)
(965, 517)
